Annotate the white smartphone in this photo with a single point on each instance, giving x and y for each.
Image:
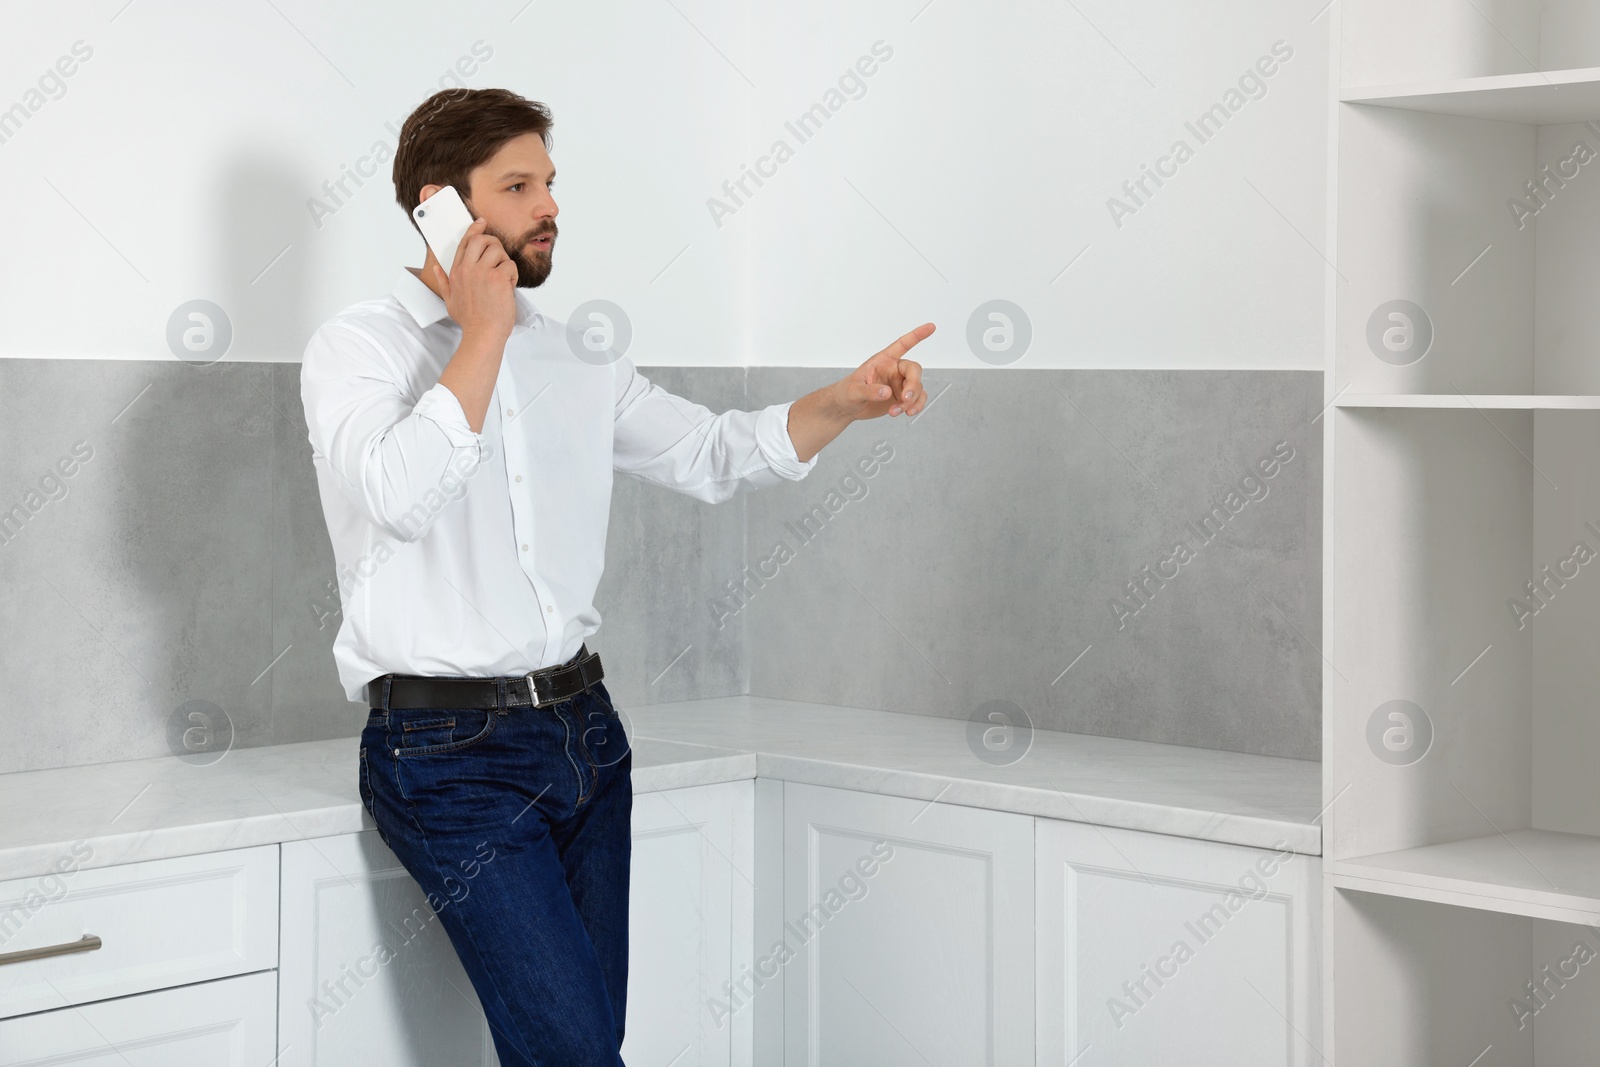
(443, 220)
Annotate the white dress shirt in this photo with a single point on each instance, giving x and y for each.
(462, 553)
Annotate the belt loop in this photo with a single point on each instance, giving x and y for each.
(500, 695)
(388, 680)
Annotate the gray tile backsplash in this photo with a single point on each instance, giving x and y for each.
(149, 583)
(983, 559)
(186, 559)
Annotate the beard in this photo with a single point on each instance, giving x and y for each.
(534, 268)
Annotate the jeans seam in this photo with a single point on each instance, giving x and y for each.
(588, 753)
(583, 794)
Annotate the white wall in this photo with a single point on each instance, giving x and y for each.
(992, 141)
(977, 164)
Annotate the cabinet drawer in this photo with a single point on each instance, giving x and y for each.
(160, 923)
(214, 1024)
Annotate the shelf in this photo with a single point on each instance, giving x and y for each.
(1538, 873)
(1492, 401)
(1541, 98)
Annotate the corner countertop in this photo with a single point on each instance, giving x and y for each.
(1230, 797)
(155, 808)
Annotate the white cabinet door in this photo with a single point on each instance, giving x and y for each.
(366, 973)
(908, 932)
(1155, 949)
(228, 1023)
(690, 918)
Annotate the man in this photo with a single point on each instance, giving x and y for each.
(464, 455)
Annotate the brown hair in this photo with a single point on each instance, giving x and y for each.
(456, 130)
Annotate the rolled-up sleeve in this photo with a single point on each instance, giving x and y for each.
(399, 460)
(681, 445)
(443, 407)
(772, 436)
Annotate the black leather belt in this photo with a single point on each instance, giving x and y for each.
(538, 689)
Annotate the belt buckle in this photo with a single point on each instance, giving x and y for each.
(533, 692)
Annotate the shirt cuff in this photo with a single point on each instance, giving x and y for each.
(772, 437)
(443, 408)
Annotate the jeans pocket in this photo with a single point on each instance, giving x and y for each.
(438, 731)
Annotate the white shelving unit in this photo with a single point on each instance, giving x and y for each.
(1462, 550)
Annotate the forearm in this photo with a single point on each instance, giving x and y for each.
(815, 420)
(471, 374)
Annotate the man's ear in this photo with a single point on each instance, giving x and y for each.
(427, 191)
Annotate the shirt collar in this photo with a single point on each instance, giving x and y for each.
(427, 308)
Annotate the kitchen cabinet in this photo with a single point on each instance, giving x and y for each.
(907, 934)
(689, 925)
(1155, 949)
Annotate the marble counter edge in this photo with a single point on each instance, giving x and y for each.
(1026, 800)
(35, 860)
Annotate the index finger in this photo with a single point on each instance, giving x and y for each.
(907, 341)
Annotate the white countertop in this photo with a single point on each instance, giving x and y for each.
(1170, 789)
(154, 808)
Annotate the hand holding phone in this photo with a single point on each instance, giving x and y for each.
(480, 279)
(443, 219)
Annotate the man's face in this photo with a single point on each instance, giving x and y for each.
(511, 193)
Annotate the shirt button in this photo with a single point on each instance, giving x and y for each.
(524, 548)
(519, 477)
(508, 411)
(549, 607)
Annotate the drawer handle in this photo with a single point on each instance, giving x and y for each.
(88, 943)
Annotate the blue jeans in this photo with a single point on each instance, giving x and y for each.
(516, 824)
